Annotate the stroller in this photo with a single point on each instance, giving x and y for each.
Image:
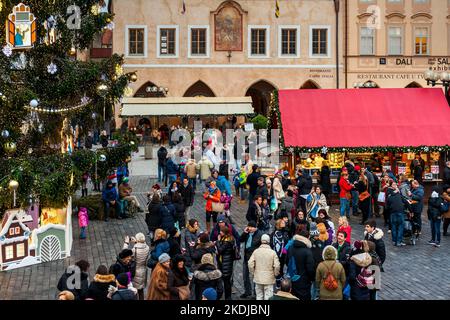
(409, 227)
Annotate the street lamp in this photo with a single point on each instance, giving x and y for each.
(433, 80)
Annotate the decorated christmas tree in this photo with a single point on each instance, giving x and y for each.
(47, 90)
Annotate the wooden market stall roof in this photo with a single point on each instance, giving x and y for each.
(364, 118)
(186, 106)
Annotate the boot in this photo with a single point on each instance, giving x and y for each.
(85, 192)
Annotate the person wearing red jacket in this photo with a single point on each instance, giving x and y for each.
(344, 194)
(212, 195)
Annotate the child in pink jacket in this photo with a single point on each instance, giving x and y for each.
(83, 221)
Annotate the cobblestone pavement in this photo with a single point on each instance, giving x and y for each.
(419, 273)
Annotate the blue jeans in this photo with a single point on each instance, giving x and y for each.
(242, 191)
(345, 206)
(193, 182)
(83, 233)
(436, 230)
(161, 172)
(354, 201)
(397, 222)
(107, 206)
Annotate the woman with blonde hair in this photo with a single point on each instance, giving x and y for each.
(345, 226)
(161, 246)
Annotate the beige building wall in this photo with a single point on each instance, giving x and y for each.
(227, 76)
(407, 68)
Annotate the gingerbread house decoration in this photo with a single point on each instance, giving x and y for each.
(14, 238)
(21, 30)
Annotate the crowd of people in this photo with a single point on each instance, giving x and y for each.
(290, 248)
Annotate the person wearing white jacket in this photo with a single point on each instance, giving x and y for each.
(265, 267)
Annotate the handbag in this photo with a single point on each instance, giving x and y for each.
(364, 195)
(184, 292)
(381, 197)
(218, 207)
(348, 195)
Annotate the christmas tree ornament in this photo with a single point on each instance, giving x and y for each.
(133, 77)
(110, 26)
(324, 150)
(102, 158)
(128, 92)
(10, 147)
(34, 103)
(7, 51)
(73, 51)
(52, 68)
(5, 134)
(21, 28)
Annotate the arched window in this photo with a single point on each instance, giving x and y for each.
(199, 89)
(310, 84)
(260, 93)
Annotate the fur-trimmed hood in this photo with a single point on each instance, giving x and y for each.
(208, 273)
(376, 235)
(329, 253)
(303, 240)
(107, 278)
(362, 260)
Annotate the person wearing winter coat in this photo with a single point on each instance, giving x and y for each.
(204, 166)
(325, 181)
(325, 218)
(417, 194)
(345, 194)
(343, 248)
(190, 239)
(124, 264)
(203, 246)
(207, 276)
(358, 276)
(446, 215)
(178, 282)
(111, 198)
(300, 251)
(79, 293)
(83, 221)
(180, 209)
(304, 185)
(162, 160)
(369, 247)
(167, 214)
(140, 255)
(435, 211)
(221, 223)
(226, 246)
(285, 292)
(251, 237)
(123, 291)
(254, 211)
(264, 265)
(98, 288)
(328, 266)
(278, 241)
(224, 185)
(191, 172)
(343, 225)
(171, 170)
(299, 220)
(278, 191)
(374, 234)
(212, 195)
(187, 193)
(324, 234)
(161, 246)
(152, 218)
(174, 241)
(395, 204)
(158, 288)
(287, 205)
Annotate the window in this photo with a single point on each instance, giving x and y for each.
(258, 41)
(395, 41)
(198, 38)
(319, 41)
(17, 230)
(167, 44)
(9, 252)
(421, 41)
(11, 231)
(367, 37)
(20, 250)
(289, 41)
(136, 41)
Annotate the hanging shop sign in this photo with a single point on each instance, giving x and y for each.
(21, 28)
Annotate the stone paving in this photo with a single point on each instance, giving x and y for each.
(411, 273)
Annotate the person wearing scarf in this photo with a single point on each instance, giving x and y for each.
(211, 195)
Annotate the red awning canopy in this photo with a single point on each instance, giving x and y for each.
(364, 118)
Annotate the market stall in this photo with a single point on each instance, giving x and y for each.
(383, 128)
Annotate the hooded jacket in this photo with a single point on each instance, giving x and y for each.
(224, 185)
(109, 194)
(225, 257)
(205, 166)
(330, 265)
(417, 195)
(357, 262)
(80, 294)
(140, 254)
(264, 265)
(395, 203)
(215, 198)
(377, 238)
(207, 276)
(161, 246)
(434, 208)
(301, 252)
(118, 268)
(98, 289)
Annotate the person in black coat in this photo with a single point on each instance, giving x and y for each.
(285, 181)
(178, 276)
(374, 234)
(251, 238)
(162, 160)
(261, 190)
(417, 171)
(435, 211)
(304, 185)
(174, 242)
(252, 181)
(325, 182)
(187, 193)
(396, 205)
(167, 214)
(226, 255)
(152, 218)
(203, 247)
(207, 276)
(81, 292)
(179, 210)
(98, 289)
(304, 261)
(344, 250)
(254, 211)
(124, 264)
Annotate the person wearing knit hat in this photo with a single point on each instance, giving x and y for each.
(264, 265)
(209, 294)
(124, 264)
(164, 258)
(159, 282)
(207, 276)
(330, 288)
(123, 292)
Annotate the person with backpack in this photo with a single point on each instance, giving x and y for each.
(301, 266)
(265, 267)
(226, 255)
(359, 277)
(435, 211)
(330, 276)
(278, 241)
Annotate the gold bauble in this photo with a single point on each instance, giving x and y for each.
(13, 185)
(108, 20)
(72, 51)
(134, 77)
(10, 147)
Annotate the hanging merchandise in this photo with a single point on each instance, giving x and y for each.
(21, 28)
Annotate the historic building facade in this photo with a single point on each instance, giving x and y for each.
(390, 43)
(217, 48)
